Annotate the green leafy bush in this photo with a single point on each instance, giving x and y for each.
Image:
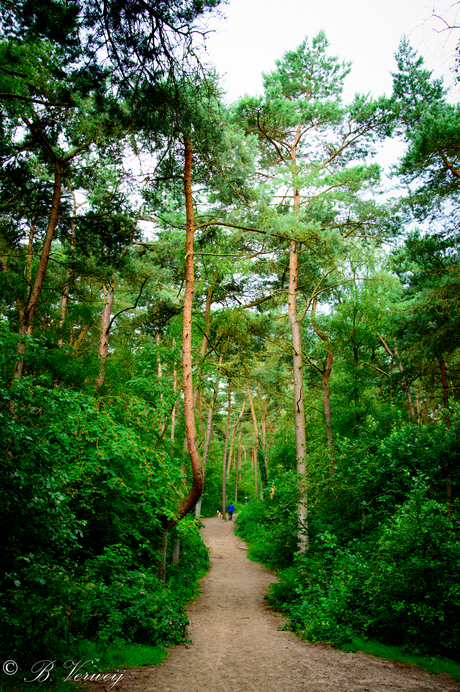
(81, 492)
(412, 594)
(269, 525)
(401, 588)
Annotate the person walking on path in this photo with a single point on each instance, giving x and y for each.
(231, 509)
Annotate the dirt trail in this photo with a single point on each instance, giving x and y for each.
(236, 645)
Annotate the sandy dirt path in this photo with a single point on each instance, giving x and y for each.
(236, 645)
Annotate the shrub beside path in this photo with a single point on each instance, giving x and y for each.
(236, 645)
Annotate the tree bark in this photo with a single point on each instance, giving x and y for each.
(163, 550)
(401, 370)
(208, 433)
(445, 397)
(197, 483)
(205, 339)
(254, 461)
(35, 291)
(238, 466)
(192, 497)
(253, 413)
(233, 438)
(105, 332)
(175, 550)
(65, 290)
(327, 409)
(299, 407)
(174, 408)
(160, 376)
(445, 389)
(325, 376)
(224, 460)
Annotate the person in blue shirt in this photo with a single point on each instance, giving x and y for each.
(231, 509)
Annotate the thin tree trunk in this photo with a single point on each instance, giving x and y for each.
(175, 550)
(65, 291)
(326, 376)
(445, 397)
(299, 407)
(401, 370)
(327, 409)
(208, 433)
(238, 466)
(163, 549)
(233, 438)
(200, 415)
(224, 461)
(445, 390)
(81, 336)
(253, 413)
(254, 458)
(29, 254)
(160, 375)
(36, 289)
(205, 339)
(105, 329)
(174, 408)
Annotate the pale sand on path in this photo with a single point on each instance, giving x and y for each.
(236, 645)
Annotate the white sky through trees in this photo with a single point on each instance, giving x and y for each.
(257, 32)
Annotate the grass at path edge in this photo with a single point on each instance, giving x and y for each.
(432, 664)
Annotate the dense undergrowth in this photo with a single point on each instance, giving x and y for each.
(384, 547)
(82, 491)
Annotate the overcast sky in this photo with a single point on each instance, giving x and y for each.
(257, 32)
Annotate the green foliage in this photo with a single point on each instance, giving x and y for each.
(90, 474)
(383, 551)
(269, 525)
(121, 655)
(116, 602)
(82, 492)
(399, 587)
(412, 597)
(433, 664)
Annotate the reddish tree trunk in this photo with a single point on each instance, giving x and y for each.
(192, 497)
(197, 484)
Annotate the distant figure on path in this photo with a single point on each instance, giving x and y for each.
(246, 500)
(231, 509)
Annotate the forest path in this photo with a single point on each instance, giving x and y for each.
(236, 645)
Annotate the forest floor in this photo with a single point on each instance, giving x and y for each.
(236, 645)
